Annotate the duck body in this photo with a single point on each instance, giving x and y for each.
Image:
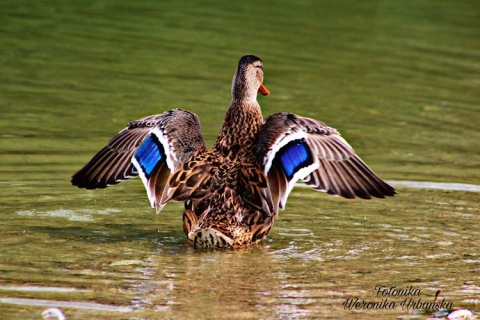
(232, 192)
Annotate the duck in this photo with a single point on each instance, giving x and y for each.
(232, 192)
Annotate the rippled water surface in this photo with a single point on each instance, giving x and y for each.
(399, 80)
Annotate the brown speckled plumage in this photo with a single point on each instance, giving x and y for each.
(232, 193)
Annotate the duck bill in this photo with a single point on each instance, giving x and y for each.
(263, 90)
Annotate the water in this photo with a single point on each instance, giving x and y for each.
(401, 81)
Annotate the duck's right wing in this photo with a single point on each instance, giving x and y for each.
(291, 148)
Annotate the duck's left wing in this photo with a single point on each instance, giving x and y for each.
(152, 147)
(291, 148)
(112, 164)
(169, 145)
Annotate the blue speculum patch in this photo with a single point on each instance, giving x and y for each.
(294, 156)
(150, 154)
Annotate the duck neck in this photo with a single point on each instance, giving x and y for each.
(240, 128)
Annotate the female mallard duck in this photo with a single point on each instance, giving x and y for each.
(233, 192)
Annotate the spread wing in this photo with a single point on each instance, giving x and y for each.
(152, 147)
(291, 148)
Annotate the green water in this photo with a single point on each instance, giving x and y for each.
(400, 80)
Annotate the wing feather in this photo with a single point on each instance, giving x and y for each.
(116, 155)
(291, 148)
(152, 147)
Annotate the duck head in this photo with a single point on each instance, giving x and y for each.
(248, 79)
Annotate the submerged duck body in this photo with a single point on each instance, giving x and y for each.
(232, 192)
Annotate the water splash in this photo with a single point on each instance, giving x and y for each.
(436, 185)
(426, 185)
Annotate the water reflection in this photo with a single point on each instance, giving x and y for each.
(296, 272)
(72, 215)
(65, 304)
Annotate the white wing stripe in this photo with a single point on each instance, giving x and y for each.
(166, 146)
(278, 144)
